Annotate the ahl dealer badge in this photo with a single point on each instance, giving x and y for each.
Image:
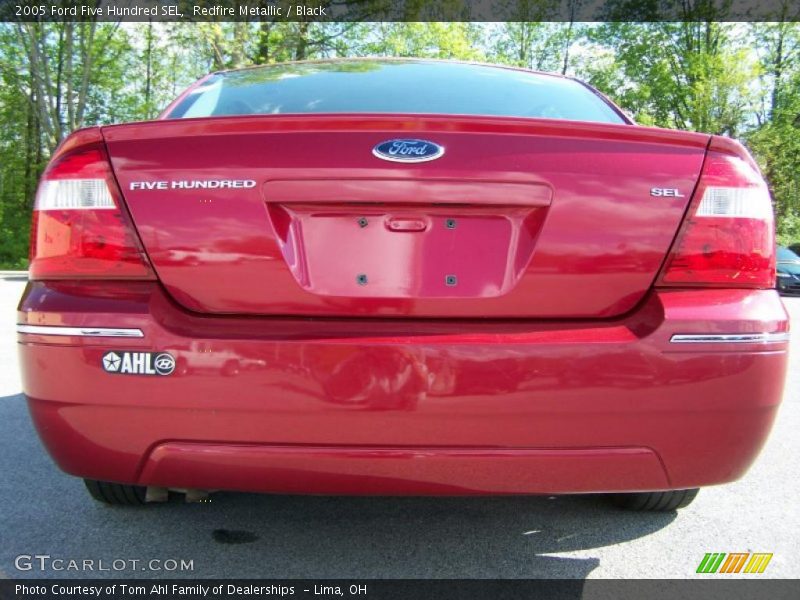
(138, 363)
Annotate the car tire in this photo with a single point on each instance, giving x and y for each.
(116, 494)
(655, 501)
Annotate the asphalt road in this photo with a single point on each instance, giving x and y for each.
(44, 512)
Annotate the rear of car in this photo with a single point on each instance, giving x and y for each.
(401, 277)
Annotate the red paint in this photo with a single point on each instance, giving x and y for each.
(399, 471)
(506, 338)
(600, 237)
(252, 394)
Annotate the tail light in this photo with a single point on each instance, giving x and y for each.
(80, 226)
(728, 236)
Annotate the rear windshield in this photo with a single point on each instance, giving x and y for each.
(393, 87)
(786, 254)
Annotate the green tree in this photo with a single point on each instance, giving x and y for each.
(428, 40)
(693, 75)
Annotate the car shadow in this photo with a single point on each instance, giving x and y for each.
(250, 535)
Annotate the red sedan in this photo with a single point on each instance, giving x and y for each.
(401, 277)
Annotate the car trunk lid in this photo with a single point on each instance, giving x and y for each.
(295, 215)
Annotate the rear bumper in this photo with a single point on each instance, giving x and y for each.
(368, 406)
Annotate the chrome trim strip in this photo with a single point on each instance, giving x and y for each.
(80, 331)
(731, 338)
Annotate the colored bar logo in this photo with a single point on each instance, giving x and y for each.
(734, 562)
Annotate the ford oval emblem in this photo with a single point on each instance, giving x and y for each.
(406, 150)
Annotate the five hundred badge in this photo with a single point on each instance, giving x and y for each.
(139, 363)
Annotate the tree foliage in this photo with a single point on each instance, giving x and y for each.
(736, 79)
